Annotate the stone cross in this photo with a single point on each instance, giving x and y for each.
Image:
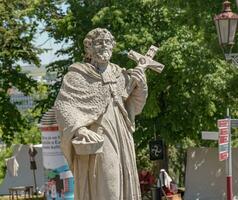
(146, 61)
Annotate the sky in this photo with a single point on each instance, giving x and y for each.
(43, 41)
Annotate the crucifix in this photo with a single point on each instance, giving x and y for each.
(146, 61)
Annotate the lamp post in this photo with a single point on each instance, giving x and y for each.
(226, 25)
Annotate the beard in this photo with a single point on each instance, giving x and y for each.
(103, 56)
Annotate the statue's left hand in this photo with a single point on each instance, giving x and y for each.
(137, 90)
(137, 79)
(138, 76)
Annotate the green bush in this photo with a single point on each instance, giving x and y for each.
(4, 153)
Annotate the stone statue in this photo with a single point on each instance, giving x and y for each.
(95, 110)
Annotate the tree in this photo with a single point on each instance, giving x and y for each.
(196, 85)
(17, 29)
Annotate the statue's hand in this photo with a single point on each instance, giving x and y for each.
(138, 76)
(87, 142)
(137, 91)
(86, 135)
(137, 80)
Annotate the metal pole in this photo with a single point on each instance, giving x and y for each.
(34, 176)
(229, 163)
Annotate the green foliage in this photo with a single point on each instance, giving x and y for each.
(30, 134)
(196, 85)
(17, 28)
(142, 156)
(177, 159)
(4, 153)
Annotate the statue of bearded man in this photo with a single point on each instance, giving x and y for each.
(95, 110)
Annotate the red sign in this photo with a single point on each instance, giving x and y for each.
(223, 156)
(223, 131)
(223, 123)
(223, 139)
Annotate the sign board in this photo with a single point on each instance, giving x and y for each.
(223, 147)
(223, 151)
(234, 123)
(223, 156)
(55, 166)
(209, 135)
(223, 139)
(224, 129)
(223, 123)
(156, 150)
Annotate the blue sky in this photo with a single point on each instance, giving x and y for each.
(43, 41)
(49, 43)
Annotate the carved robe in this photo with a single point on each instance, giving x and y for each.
(103, 169)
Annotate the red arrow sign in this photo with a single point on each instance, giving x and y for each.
(223, 123)
(223, 139)
(223, 156)
(223, 131)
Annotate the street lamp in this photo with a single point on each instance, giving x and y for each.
(226, 25)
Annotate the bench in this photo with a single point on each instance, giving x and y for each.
(19, 190)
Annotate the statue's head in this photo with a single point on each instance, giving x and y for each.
(98, 45)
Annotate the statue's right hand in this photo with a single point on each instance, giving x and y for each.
(86, 135)
(87, 142)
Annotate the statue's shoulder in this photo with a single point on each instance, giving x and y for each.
(79, 67)
(117, 70)
(84, 69)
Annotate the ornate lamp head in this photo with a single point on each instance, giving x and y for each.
(226, 25)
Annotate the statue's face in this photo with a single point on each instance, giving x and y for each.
(102, 48)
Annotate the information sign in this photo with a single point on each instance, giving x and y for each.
(223, 147)
(223, 156)
(223, 139)
(223, 131)
(223, 123)
(234, 123)
(209, 135)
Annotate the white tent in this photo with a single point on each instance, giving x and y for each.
(25, 174)
(205, 175)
